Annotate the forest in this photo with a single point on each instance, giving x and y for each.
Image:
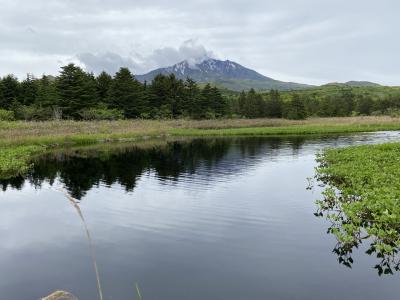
(79, 95)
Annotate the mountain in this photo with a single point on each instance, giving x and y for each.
(355, 84)
(227, 74)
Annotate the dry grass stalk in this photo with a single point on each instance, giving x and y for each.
(74, 202)
(60, 295)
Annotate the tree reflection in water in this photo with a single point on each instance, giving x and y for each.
(81, 169)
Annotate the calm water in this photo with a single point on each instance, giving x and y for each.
(213, 219)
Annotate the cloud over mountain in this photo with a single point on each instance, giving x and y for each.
(191, 51)
(109, 62)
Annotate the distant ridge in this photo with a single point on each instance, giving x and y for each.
(227, 74)
(354, 84)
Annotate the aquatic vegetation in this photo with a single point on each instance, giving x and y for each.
(362, 200)
(15, 161)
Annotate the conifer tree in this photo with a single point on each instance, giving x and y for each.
(28, 90)
(192, 102)
(242, 103)
(47, 95)
(10, 91)
(103, 82)
(76, 89)
(273, 105)
(128, 94)
(295, 108)
(218, 102)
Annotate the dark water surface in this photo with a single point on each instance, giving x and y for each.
(219, 219)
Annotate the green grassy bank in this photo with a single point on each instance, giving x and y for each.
(21, 141)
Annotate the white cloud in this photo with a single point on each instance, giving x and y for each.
(190, 50)
(109, 62)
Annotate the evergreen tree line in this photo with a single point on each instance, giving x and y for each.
(76, 94)
(300, 105)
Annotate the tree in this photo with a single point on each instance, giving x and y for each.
(312, 104)
(252, 105)
(77, 94)
(103, 85)
(347, 105)
(218, 103)
(242, 103)
(47, 94)
(364, 105)
(273, 105)
(10, 91)
(28, 90)
(168, 96)
(295, 108)
(192, 100)
(2, 100)
(206, 102)
(127, 93)
(76, 89)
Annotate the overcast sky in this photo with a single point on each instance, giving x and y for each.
(310, 41)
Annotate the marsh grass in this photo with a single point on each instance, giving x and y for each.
(74, 132)
(21, 141)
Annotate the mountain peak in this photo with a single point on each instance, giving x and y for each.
(227, 73)
(180, 68)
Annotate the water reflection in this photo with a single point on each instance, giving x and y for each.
(81, 169)
(200, 219)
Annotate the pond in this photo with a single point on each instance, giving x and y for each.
(217, 218)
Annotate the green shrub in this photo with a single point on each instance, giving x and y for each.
(101, 113)
(145, 115)
(210, 115)
(33, 113)
(376, 113)
(6, 115)
(393, 112)
(164, 112)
